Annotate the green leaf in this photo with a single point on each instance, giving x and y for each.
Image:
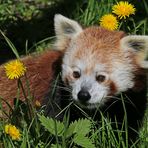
(53, 126)
(83, 141)
(82, 126)
(56, 146)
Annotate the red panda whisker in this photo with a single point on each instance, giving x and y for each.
(110, 105)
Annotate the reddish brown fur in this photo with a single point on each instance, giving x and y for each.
(93, 42)
(39, 73)
(96, 38)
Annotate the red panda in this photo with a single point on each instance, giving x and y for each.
(97, 66)
(100, 68)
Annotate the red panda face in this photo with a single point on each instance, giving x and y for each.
(98, 63)
(96, 68)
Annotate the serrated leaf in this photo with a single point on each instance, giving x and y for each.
(82, 126)
(83, 141)
(71, 129)
(53, 126)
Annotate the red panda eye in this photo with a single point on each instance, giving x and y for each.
(100, 78)
(76, 74)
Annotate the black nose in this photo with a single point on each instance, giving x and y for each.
(83, 96)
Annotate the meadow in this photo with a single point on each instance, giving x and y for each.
(27, 127)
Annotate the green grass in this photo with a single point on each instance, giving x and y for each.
(37, 131)
(42, 132)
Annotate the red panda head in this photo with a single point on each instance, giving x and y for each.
(98, 63)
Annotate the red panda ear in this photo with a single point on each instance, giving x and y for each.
(137, 44)
(65, 30)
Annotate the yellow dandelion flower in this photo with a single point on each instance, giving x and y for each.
(12, 131)
(37, 103)
(15, 69)
(109, 22)
(7, 128)
(123, 9)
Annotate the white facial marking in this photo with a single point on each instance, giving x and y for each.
(123, 77)
(97, 90)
